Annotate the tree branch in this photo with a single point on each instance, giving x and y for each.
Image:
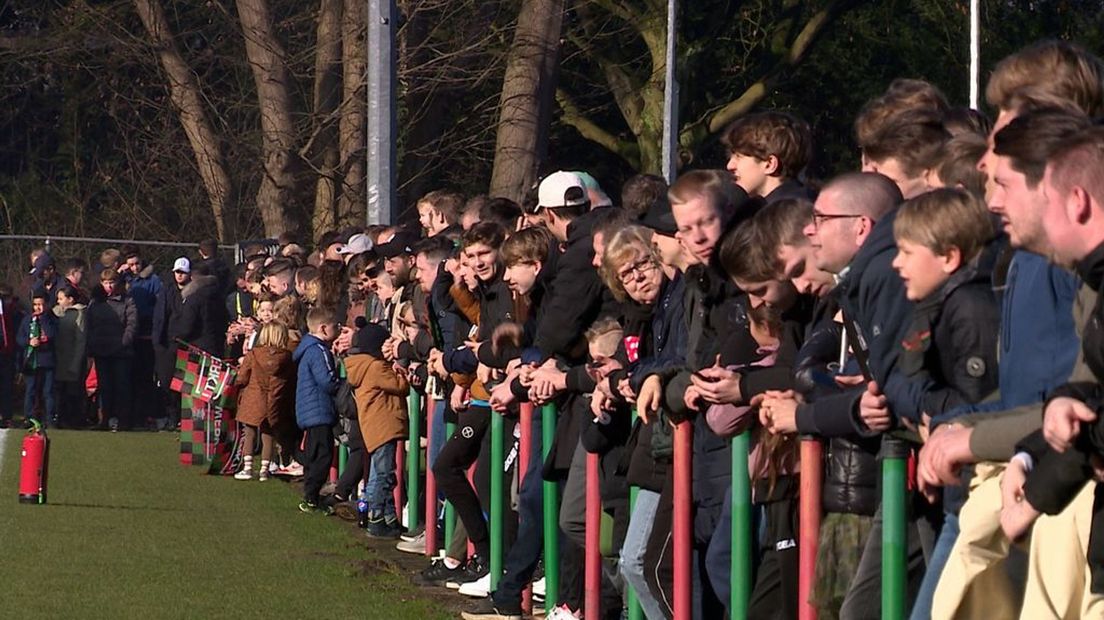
(629, 151)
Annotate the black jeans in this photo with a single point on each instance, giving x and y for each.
(354, 466)
(114, 386)
(316, 458)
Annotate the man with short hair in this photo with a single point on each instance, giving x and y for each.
(209, 254)
(143, 286)
(166, 313)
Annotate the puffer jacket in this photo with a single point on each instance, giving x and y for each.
(316, 383)
(112, 324)
(143, 289)
(268, 377)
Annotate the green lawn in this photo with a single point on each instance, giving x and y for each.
(131, 533)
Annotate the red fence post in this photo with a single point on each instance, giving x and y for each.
(684, 441)
(812, 470)
(431, 484)
(593, 575)
(525, 451)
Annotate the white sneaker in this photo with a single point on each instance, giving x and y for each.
(244, 474)
(294, 470)
(480, 588)
(415, 545)
(561, 612)
(538, 588)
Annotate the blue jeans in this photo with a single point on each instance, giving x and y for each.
(438, 434)
(631, 561)
(921, 610)
(381, 482)
(41, 380)
(521, 560)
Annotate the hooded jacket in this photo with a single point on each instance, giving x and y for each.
(316, 383)
(112, 324)
(872, 297)
(202, 321)
(380, 395)
(70, 344)
(268, 376)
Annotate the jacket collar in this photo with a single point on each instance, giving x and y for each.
(1091, 268)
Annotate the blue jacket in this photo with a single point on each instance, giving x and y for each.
(44, 353)
(317, 383)
(143, 289)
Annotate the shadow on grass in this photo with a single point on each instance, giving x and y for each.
(117, 507)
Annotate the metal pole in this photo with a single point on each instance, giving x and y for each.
(431, 483)
(671, 97)
(525, 452)
(382, 126)
(551, 515)
(740, 567)
(342, 459)
(414, 460)
(894, 456)
(498, 436)
(975, 52)
(812, 470)
(683, 497)
(450, 512)
(632, 602)
(593, 549)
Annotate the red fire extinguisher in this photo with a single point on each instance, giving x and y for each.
(33, 466)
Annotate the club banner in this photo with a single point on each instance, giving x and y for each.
(209, 435)
(204, 377)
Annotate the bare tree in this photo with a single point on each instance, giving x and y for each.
(526, 102)
(353, 134)
(327, 97)
(268, 62)
(187, 99)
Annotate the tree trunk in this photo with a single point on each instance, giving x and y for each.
(527, 95)
(188, 101)
(269, 64)
(353, 132)
(327, 97)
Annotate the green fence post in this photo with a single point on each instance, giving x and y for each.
(450, 512)
(636, 612)
(551, 515)
(894, 456)
(498, 432)
(740, 577)
(414, 461)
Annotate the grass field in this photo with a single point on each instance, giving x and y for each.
(130, 533)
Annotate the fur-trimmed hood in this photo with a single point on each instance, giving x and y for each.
(198, 283)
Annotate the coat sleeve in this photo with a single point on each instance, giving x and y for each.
(574, 304)
(23, 334)
(323, 370)
(388, 380)
(245, 371)
(130, 327)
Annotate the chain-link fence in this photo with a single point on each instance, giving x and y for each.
(15, 255)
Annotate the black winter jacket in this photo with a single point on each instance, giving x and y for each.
(202, 321)
(112, 324)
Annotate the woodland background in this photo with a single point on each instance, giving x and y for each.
(184, 119)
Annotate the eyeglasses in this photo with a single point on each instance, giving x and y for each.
(820, 218)
(636, 270)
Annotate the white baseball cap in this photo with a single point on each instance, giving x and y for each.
(562, 189)
(358, 244)
(183, 265)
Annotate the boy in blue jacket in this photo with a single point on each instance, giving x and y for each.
(314, 404)
(35, 338)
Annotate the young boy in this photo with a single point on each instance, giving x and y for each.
(314, 404)
(439, 212)
(71, 356)
(35, 338)
(381, 412)
(766, 153)
(949, 349)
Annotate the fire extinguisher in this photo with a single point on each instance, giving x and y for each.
(33, 466)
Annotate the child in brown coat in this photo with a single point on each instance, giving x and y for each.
(380, 395)
(268, 376)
